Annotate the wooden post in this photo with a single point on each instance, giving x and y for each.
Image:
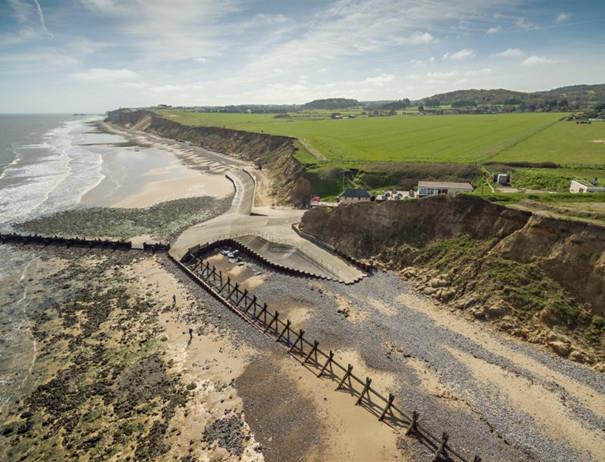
(252, 303)
(273, 320)
(226, 285)
(284, 330)
(365, 390)
(327, 363)
(214, 274)
(243, 297)
(413, 427)
(387, 408)
(313, 350)
(298, 338)
(220, 279)
(265, 310)
(260, 313)
(235, 289)
(442, 450)
(345, 377)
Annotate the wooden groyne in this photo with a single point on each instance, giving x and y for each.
(308, 353)
(36, 239)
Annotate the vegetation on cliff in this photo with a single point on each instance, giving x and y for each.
(537, 278)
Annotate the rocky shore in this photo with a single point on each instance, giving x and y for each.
(118, 376)
(160, 222)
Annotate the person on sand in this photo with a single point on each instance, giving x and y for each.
(173, 299)
(190, 336)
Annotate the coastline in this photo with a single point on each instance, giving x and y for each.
(142, 174)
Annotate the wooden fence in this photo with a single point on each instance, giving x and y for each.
(308, 353)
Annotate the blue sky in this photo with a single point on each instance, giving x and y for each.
(95, 55)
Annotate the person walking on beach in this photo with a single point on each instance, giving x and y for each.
(190, 336)
(173, 299)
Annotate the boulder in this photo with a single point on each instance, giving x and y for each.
(559, 347)
(497, 310)
(578, 356)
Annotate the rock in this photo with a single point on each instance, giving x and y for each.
(429, 290)
(578, 356)
(446, 294)
(559, 347)
(497, 310)
(479, 313)
(409, 272)
(437, 282)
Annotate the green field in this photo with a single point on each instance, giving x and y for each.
(565, 143)
(399, 150)
(411, 138)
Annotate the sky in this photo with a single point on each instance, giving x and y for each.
(97, 55)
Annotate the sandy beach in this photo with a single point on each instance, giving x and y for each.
(142, 175)
(195, 185)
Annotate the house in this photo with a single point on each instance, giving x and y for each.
(578, 186)
(435, 188)
(354, 195)
(336, 115)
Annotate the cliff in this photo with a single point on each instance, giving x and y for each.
(539, 278)
(274, 153)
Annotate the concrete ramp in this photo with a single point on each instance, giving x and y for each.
(300, 258)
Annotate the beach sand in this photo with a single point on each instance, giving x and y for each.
(138, 176)
(195, 185)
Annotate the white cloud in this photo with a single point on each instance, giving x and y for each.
(99, 74)
(171, 31)
(459, 55)
(36, 61)
(422, 62)
(494, 30)
(417, 39)
(358, 27)
(534, 60)
(523, 23)
(442, 75)
(510, 53)
(563, 17)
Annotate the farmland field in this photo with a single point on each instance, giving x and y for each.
(455, 138)
(411, 138)
(564, 143)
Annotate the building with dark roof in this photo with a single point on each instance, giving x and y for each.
(354, 195)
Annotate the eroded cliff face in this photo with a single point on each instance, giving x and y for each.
(539, 278)
(274, 153)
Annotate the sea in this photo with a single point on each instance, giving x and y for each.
(47, 164)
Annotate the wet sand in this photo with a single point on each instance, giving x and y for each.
(142, 176)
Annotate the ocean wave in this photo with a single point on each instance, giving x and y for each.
(56, 180)
(12, 163)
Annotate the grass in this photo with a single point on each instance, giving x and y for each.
(399, 150)
(399, 138)
(565, 143)
(554, 179)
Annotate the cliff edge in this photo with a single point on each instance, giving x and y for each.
(538, 278)
(274, 154)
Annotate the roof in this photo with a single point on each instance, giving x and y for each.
(360, 193)
(445, 185)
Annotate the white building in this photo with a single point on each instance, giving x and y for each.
(435, 188)
(577, 186)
